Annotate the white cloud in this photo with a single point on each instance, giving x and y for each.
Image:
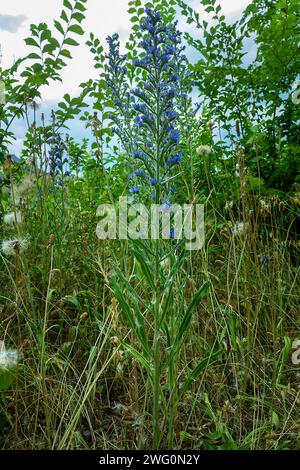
(103, 18)
(11, 23)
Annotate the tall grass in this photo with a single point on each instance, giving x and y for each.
(82, 379)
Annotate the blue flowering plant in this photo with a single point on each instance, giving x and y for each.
(146, 117)
(58, 162)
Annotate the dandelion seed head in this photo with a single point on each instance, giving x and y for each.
(203, 150)
(22, 190)
(8, 357)
(11, 218)
(14, 245)
(238, 228)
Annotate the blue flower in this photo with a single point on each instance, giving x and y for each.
(138, 172)
(138, 120)
(175, 135)
(138, 154)
(117, 102)
(171, 114)
(175, 159)
(175, 77)
(134, 189)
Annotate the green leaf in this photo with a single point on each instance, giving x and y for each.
(72, 300)
(34, 56)
(31, 42)
(275, 419)
(188, 315)
(68, 5)
(196, 371)
(145, 267)
(71, 42)
(143, 361)
(7, 377)
(135, 319)
(64, 16)
(59, 27)
(75, 28)
(66, 53)
(48, 48)
(129, 286)
(80, 7)
(78, 17)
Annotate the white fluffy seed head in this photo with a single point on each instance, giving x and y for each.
(241, 228)
(238, 228)
(14, 246)
(23, 189)
(8, 357)
(203, 150)
(11, 218)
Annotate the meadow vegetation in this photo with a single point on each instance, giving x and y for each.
(141, 344)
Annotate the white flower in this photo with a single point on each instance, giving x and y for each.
(203, 150)
(14, 245)
(8, 357)
(10, 219)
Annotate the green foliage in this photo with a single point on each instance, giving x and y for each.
(255, 92)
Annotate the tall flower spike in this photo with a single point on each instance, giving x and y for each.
(58, 162)
(160, 58)
(149, 119)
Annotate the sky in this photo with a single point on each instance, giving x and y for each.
(103, 18)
